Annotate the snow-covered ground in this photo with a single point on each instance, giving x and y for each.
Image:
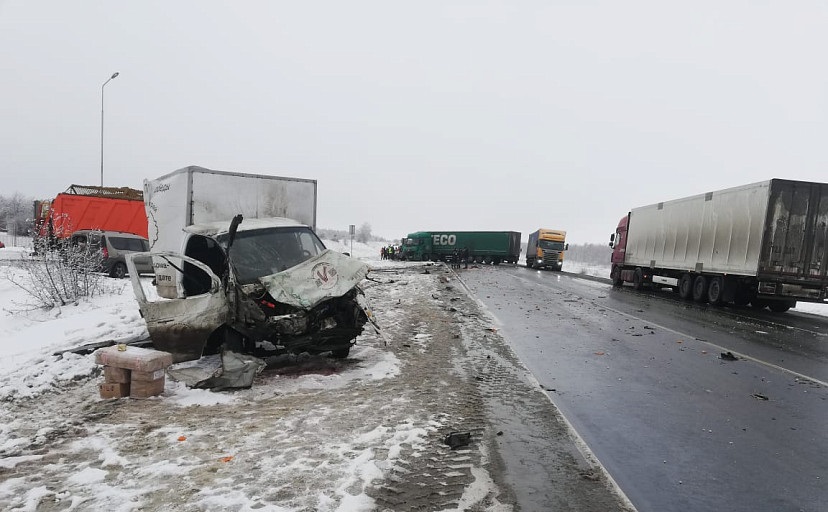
(29, 369)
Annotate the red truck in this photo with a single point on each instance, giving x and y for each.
(764, 244)
(89, 207)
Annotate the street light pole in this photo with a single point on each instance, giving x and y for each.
(114, 75)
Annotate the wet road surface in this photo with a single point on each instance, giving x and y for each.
(641, 377)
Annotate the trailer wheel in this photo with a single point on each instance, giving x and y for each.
(715, 292)
(758, 303)
(780, 306)
(741, 297)
(685, 286)
(638, 279)
(700, 289)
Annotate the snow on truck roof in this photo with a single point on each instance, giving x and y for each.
(222, 227)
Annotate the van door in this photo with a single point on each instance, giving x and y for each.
(180, 326)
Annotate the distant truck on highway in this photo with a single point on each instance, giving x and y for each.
(493, 247)
(545, 249)
(764, 244)
(239, 267)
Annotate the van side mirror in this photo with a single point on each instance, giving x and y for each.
(612, 237)
(566, 247)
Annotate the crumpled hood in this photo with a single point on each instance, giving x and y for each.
(329, 275)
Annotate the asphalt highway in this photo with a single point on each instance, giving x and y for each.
(689, 407)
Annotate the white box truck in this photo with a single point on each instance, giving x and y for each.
(764, 243)
(238, 267)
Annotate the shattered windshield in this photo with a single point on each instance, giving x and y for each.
(264, 252)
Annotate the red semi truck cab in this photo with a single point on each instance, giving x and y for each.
(618, 241)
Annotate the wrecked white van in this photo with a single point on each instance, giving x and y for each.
(259, 286)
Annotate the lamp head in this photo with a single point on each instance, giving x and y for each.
(114, 75)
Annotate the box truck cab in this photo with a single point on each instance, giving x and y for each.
(545, 249)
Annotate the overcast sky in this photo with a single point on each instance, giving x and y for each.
(422, 115)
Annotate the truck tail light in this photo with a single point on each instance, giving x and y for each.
(105, 253)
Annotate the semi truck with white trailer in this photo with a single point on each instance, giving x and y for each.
(764, 244)
(239, 267)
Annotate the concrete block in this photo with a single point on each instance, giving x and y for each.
(146, 388)
(133, 358)
(115, 375)
(114, 389)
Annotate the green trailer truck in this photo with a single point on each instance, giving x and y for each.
(484, 246)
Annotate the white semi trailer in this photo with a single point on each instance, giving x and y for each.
(764, 243)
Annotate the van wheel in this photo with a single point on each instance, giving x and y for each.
(341, 353)
(118, 271)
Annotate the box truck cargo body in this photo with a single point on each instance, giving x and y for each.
(545, 249)
(484, 246)
(233, 272)
(89, 207)
(762, 243)
(198, 196)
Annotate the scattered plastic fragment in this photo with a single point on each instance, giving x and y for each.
(226, 459)
(182, 438)
(759, 396)
(599, 353)
(728, 356)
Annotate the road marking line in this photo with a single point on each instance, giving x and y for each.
(580, 444)
(731, 313)
(711, 344)
(719, 347)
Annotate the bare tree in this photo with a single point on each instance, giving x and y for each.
(60, 275)
(16, 214)
(363, 234)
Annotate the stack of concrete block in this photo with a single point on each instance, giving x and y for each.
(135, 372)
